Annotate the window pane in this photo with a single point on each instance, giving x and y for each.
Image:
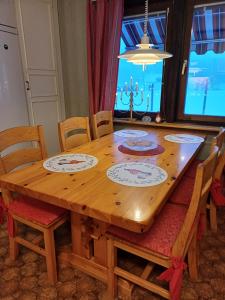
(205, 94)
(146, 84)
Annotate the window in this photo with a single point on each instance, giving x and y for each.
(204, 96)
(145, 84)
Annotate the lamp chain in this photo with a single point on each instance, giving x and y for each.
(146, 17)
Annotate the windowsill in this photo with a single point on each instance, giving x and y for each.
(187, 126)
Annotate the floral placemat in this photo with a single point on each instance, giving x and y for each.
(137, 174)
(70, 163)
(130, 133)
(184, 138)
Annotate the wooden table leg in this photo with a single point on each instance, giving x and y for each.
(100, 244)
(80, 236)
(76, 233)
(80, 245)
(78, 258)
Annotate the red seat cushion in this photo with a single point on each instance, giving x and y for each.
(183, 192)
(191, 172)
(35, 210)
(162, 234)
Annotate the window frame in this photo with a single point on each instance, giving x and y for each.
(188, 19)
(178, 43)
(134, 11)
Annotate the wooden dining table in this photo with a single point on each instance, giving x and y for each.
(95, 201)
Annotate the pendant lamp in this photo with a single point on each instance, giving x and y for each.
(145, 54)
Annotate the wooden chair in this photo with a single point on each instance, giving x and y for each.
(183, 192)
(217, 140)
(217, 194)
(31, 212)
(74, 132)
(102, 123)
(172, 236)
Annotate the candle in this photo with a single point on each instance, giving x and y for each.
(126, 87)
(136, 86)
(131, 81)
(142, 94)
(121, 94)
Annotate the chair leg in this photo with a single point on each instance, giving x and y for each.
(13, 245)
(193, 259)
(213, 216)
(50, 255)
(112, 278)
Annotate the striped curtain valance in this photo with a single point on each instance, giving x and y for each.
(208, 30)
(133, 30)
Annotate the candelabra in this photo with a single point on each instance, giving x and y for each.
(131, 91)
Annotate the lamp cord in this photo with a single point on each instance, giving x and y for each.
(146, 17)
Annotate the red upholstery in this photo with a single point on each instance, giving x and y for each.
(218, 193)
(35, 210)
(174, 275)
(162, 235)
(183, 192)
(1, 210)
(191, 172)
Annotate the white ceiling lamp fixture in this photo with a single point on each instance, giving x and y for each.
(145, 54)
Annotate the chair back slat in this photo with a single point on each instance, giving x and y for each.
(219, 139)
(220, 166)
(201, 189)
(209, 168)
(74, 132)
(76, 140)
(16, 158)
(20, 158)
(16, 135)
(102, 124)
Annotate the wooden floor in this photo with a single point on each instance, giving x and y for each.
(26, 279)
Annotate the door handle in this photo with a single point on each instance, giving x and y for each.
(184, 67)
(27, 85)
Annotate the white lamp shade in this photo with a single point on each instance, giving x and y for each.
(145, 50)
(145, 53)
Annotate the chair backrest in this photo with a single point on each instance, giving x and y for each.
(219, 141)
(203, 180)
(102, 123)
(12, 158)
(74, 132)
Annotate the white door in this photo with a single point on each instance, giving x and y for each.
(39, 39)
(13, 104)
(7, 13)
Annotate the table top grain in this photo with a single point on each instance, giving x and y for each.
(92, 193)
